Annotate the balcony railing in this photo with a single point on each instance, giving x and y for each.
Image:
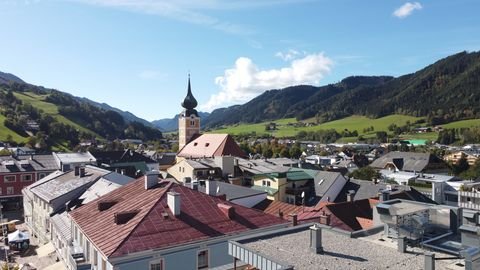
(78, 263)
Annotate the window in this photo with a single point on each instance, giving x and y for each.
(264, 183)
(0, 191)
(9, 178)
(202, 259)
(41, 175)
(192, 123)
(157, 265)
(10, 190)
(268, 183)
(26, 177)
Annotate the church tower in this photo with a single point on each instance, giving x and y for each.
(188, 121)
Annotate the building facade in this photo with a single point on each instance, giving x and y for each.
(189, 120)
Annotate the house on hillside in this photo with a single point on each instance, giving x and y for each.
(470, 156)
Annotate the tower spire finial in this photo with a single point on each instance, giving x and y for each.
(189, 102)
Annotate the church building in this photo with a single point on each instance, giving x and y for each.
(192, 144)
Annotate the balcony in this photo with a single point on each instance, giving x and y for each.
(76, 259)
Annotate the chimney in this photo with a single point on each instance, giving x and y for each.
(316, 239)
(294, 219)
(385, 196)
(173, 201)
(211, 187)
(350, 195)
(228, 210)
(82, 171)
(77, 170)
(151, 179)
(324, 219)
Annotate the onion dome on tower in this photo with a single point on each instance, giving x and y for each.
(189, 103)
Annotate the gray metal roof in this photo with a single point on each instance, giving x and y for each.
(198, 165)
(28, 163)
(69, 158)
(260, 166)
(233, 192)
(117, 178)
(340, 252)
(63, 225)
(366, 189)
(324, 180)
(55, 187)
(412, 161)
(104, 185)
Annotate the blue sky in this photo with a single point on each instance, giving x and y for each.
(135, 55)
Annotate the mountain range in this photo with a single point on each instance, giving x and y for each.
(444, 91)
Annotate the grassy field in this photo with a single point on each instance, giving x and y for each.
(463, 124)
(4, 132)
(38, 101)
(351, 123)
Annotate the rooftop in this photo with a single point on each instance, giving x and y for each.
(340, 252)
(154, 226)
(210, 145)
(68, 158)
(28, 163)
(60, 184)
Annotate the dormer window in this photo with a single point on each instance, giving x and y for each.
(207, 144)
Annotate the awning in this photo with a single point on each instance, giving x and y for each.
(18, 236)
(56, 266)
(45, 250)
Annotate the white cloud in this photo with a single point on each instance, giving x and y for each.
(245, 80)
(288, 55)
(190, 11)
(407, 9)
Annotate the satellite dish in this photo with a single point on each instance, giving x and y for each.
(303, 194)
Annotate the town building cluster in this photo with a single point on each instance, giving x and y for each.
(212, 206)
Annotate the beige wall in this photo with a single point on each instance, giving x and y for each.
(277, 183)
(181, 170)
(186, 130)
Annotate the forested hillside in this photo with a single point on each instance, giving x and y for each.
(445, 91)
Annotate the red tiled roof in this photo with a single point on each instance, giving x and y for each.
(211, 145)
(277, 207)
(200, 218)
(349, 216)
(365, 223)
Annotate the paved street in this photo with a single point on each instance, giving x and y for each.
(28, 256)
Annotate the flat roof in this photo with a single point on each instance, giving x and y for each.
(340, 252)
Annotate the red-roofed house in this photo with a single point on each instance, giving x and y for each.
(211, 145)
(348, 216)
(161, 225)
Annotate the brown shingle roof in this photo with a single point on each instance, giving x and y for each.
(211, 145)
(277, 207)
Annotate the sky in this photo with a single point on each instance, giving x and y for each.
(136, 54)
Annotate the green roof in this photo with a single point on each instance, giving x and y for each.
(271, 191)
(298, 176)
